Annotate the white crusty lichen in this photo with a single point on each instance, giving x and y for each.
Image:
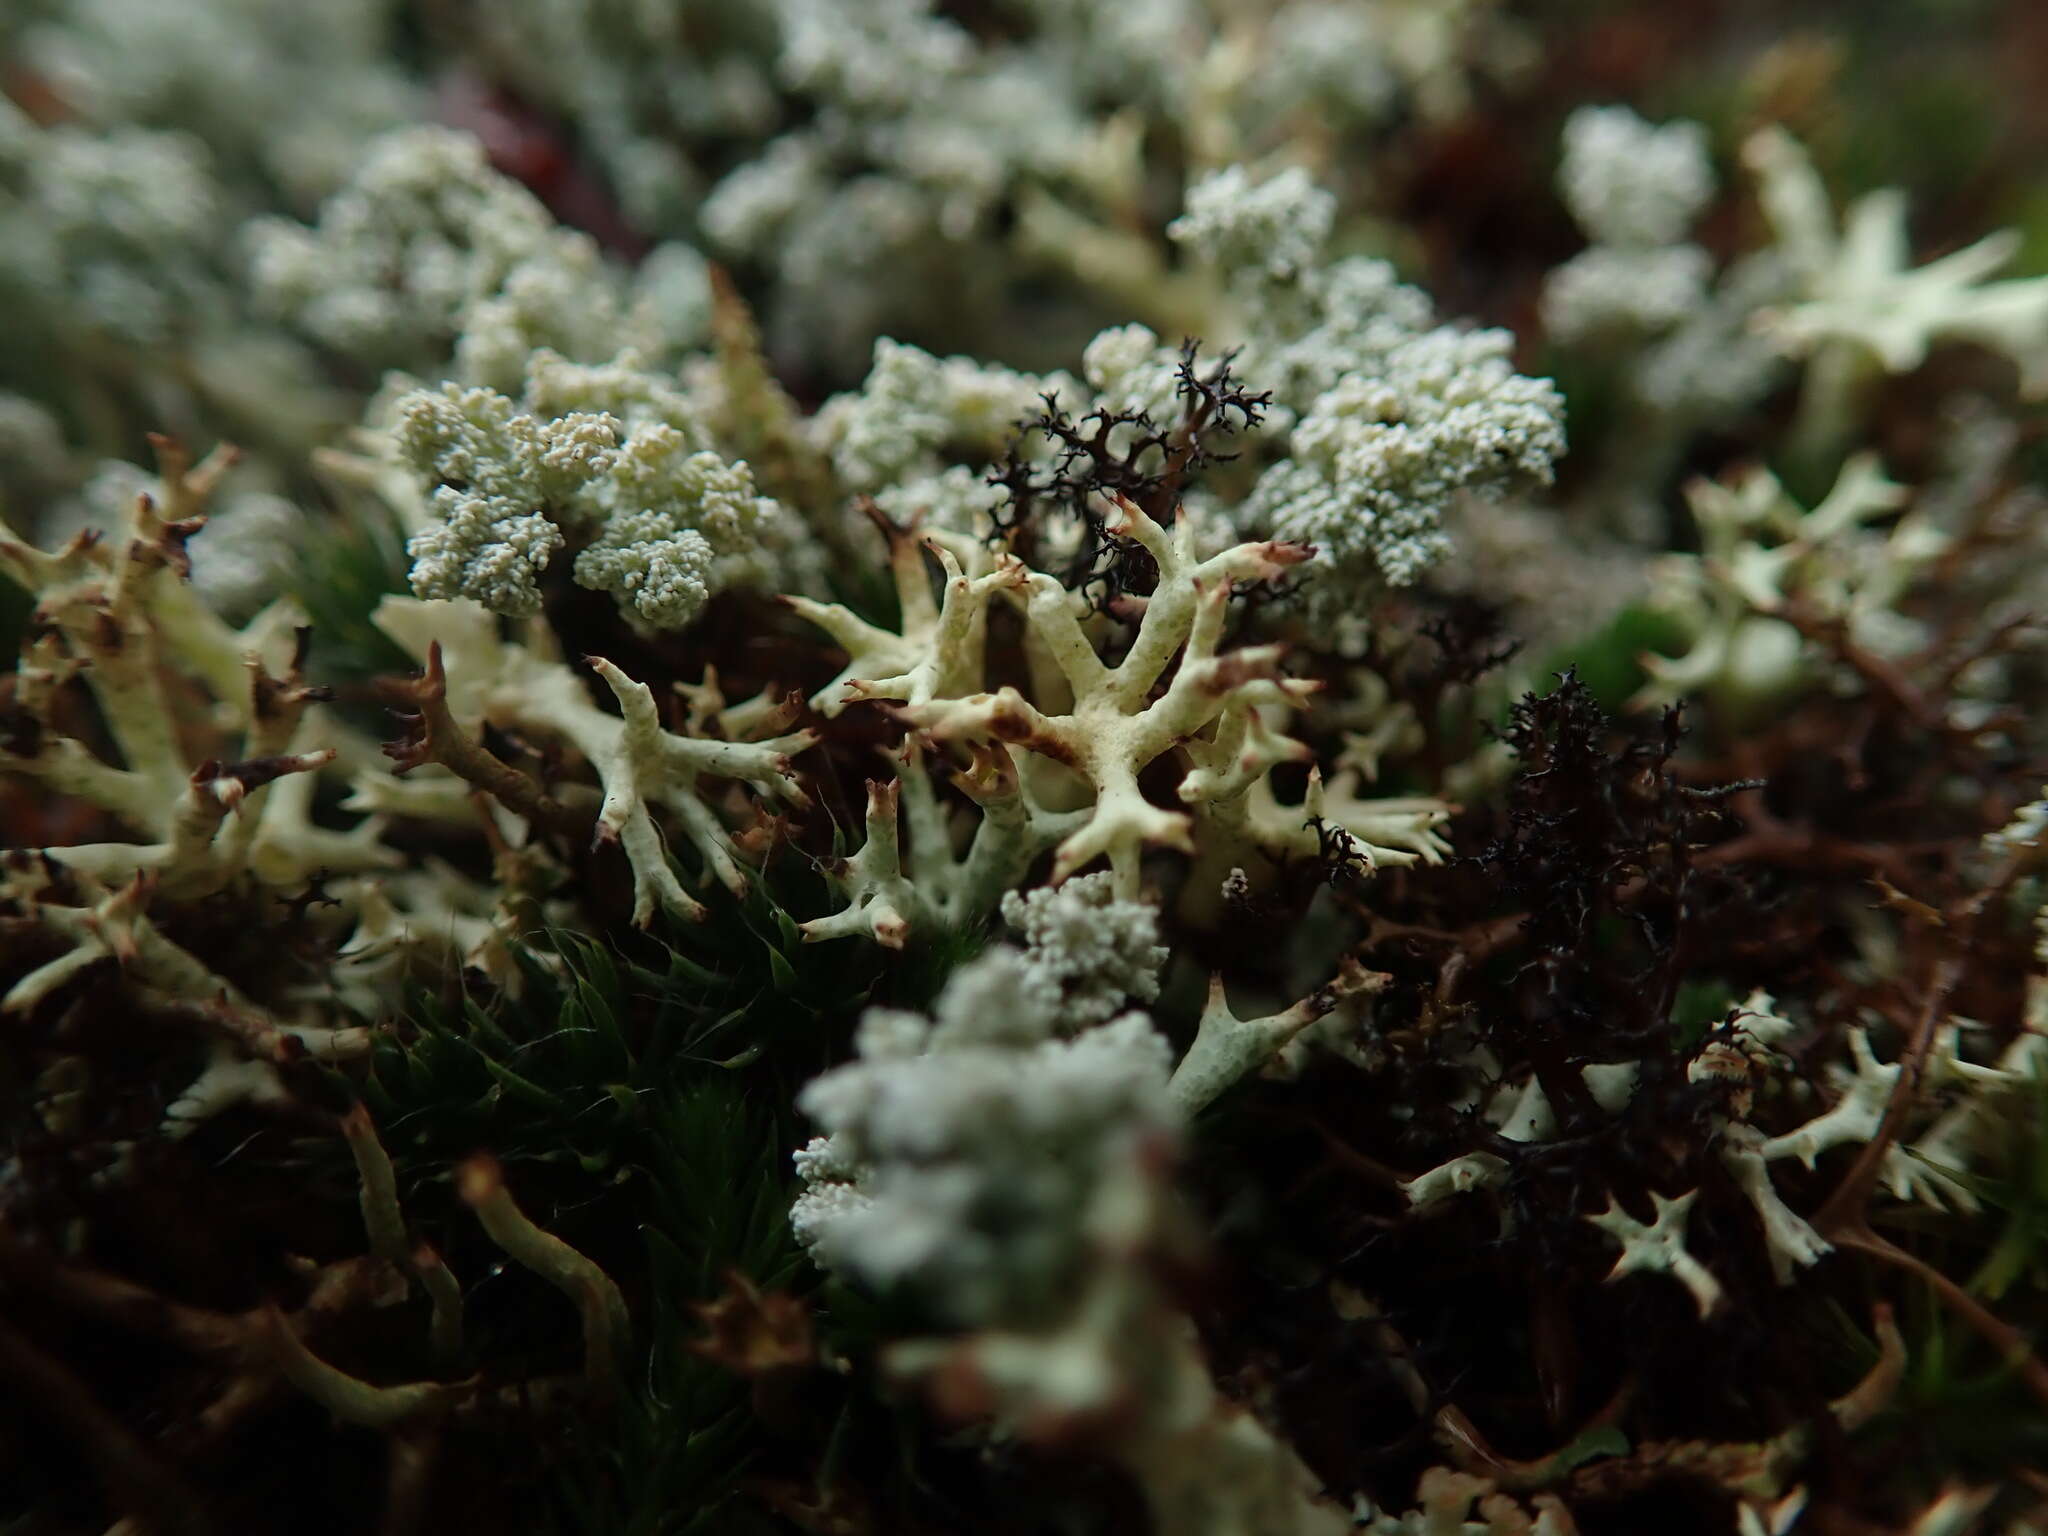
(1375, 463)
(1633, 183)
(492, 472)
(1013, 1183)
(1771, 574)
(863, 159)
(1644, 306)
(1016, 1067)
(116, 234)
(663, 522)
(910, 133)
(1388, 415)
(1099, 951)
(1634, 188)
(1257, 231)
(429, 249)
(285, 95)
(976, 1135)
(670, 517)
(919, 432)
(1376, 418)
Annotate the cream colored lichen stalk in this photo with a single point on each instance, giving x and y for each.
(640, 765)
(1768, 566)
(937, 649)
(894, 889)
(1062, 766)
(1115, 728)
(118, 616)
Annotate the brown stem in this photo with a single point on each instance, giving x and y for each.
(436, 738)
(120, 1301)
(1845, 1219)
(2011, 1344)
(409, 1480)
(137, 1481)
(1847, 1208)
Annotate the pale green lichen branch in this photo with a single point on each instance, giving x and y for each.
(1113, 728)
(639, 763)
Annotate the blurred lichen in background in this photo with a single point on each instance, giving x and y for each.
(880, 766)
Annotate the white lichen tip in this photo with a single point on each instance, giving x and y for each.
(906, 878)
(1855, 1116)
(1227, 1048)
(1267, 231)
(1789, 1238)
(937, 648)
(1660, 1246)
(1858, 284)
(1461, 1175)
(1632, 183)
(662, 522)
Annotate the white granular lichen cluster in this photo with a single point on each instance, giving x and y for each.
(1269, 231)
(1099, 951)
(1388, 415)
(1378, 458)
(959, 1150)
(663, 521)
(920, 429)
(429, 249)
(114, 233)
(1632, 184)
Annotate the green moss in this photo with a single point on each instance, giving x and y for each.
(346, 567)
(1608, 661)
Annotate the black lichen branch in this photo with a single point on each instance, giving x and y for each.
(1599, 850)
(1108, 454)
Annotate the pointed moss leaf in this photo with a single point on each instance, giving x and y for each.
(1601, 1440)
(792, 937)
(674, 1275)
(521, 1088)
(682, 968)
